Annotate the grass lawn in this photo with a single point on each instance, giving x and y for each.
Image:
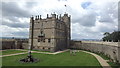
(62, 59)
(7, 52)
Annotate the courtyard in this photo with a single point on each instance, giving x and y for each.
(61, 59)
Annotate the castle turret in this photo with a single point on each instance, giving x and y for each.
(66, 20)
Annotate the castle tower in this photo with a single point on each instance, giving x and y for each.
(51, 33)
(66, 19)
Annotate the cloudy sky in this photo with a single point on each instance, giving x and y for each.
(89, 18)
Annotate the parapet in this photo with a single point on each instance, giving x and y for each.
(52, 16)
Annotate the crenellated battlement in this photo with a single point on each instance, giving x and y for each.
(52, 16)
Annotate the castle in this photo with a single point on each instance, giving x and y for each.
(51, 33)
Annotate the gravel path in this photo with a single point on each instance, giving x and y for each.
(32, 52)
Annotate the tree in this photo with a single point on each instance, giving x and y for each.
(114, 36)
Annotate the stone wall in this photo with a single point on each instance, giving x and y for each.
(14, 44)
(110, 49)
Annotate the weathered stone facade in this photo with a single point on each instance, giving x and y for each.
(50, 34)
(14, 44)
(110, 49)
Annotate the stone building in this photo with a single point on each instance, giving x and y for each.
(51, 33)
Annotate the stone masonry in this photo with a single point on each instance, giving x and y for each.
(51, 33)
(13, 44)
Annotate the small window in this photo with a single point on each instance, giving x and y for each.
(48, 40)
(38, 40)
(41, 32)
(48, 48)
(43, 40)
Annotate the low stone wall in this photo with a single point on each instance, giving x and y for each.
(14, 44)
(110, 49)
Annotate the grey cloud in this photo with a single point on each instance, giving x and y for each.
(14, 19)
(15, 24)
(86, 20)
(30, 4)
(109, 13)
(12, 9)
(105, 18)
(25, 34)
(119, 16)
(108, 28)
(83, 35)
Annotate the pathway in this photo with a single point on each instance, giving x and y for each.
(13, 54)
(32, 52)
(103, 62)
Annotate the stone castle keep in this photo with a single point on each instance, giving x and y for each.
(51, 33)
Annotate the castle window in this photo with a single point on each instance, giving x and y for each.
(43, 40)
(49, 40)
(48, 48)
(38, 40)
(41, 32)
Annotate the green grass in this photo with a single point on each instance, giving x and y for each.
(7, 52)
(62, 59)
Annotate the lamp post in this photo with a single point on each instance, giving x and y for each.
(29, 57)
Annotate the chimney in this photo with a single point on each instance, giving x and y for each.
(36, 18)
(47, 16)
(40, 17)
(57, 16)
